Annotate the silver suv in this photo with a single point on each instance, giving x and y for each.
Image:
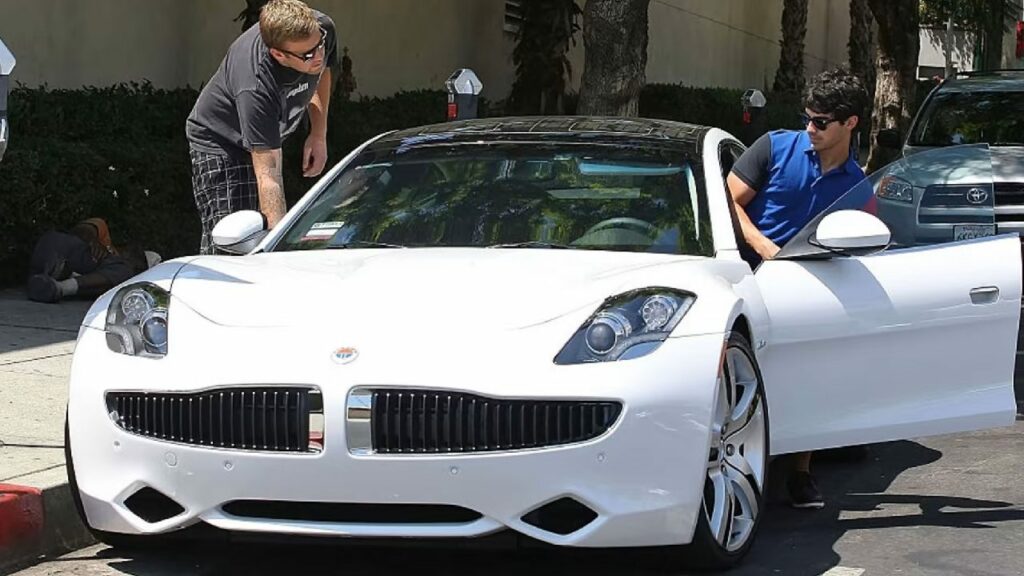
(972, 108)
(6, 66)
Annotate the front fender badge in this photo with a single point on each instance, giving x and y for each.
(344, 355)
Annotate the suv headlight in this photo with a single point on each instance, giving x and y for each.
(137, 321)
(896, 189)
(627, 326)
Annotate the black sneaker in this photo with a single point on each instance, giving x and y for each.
(42, 288)
(803, 493)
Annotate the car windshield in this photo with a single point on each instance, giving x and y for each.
(952, 118)
(512, 195)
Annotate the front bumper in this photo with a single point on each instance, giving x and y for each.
(643, 478)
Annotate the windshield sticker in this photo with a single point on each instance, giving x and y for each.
(322, 230)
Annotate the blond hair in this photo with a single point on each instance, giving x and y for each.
(286, 21)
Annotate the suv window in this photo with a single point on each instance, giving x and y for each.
(952, 118)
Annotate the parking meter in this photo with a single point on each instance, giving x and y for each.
(463, 92)
(6, 66)
(753, 102)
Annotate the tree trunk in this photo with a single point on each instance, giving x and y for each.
(861, 47)
(992, 31)
(615, 44)
(790, 75)
(899, 43)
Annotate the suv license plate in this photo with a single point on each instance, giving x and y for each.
(972, 231)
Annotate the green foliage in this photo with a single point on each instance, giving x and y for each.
(971, 15)
(120, 153)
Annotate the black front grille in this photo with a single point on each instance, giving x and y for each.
(420, 421)
(271, 418)
(946, 197)
(1009, 193)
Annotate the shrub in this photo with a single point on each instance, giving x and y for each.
(120, 153)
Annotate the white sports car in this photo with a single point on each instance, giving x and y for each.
(542, 325)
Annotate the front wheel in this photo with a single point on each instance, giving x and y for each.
(737, 463)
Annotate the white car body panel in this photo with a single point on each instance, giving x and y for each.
(643, 501)
(862, 350)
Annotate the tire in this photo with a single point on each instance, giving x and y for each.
(733, 502)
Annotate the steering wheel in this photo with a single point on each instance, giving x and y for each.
(635, 224)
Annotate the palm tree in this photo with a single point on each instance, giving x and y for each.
(543, 70)
(790, 75)
(615, 43)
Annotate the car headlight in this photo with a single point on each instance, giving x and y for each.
(896, 189)
(627, 326)
(137, 321)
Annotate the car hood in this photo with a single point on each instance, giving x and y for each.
(1007, 161)
(451, 288)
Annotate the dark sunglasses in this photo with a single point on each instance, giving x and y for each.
(306, 57)
(820, 122)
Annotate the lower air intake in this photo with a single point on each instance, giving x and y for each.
(563, 516)
(351, 513)
(152, 506)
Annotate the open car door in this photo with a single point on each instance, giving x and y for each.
(913, 340)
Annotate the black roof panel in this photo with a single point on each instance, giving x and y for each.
(550, 128)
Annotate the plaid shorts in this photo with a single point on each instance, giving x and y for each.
(221, 185)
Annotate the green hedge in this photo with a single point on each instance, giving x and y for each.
(120, 153)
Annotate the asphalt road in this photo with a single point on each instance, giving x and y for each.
(951, 505)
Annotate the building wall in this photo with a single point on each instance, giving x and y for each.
(932, 58)
(735, 43)
(395, 44)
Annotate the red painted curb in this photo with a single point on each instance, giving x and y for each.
(21, 515)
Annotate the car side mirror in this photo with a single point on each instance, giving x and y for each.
(888, 138)
(239, 232)
(851, 233)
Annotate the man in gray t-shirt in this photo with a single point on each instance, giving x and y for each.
(271, 76)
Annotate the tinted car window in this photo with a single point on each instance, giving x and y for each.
(952, 118)
(601, 197)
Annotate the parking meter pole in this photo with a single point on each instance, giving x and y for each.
(463, 94)
(754, 118)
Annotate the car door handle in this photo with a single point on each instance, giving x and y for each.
(984, 295)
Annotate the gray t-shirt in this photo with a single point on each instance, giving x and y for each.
(252, 101)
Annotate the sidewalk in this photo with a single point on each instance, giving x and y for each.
(37, 516)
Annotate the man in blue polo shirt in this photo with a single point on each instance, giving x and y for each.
(786, 178)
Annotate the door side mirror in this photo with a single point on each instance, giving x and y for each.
(888, 138)
(239, 232)
(851, 233)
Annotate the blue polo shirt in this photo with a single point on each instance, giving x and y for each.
(784, 169)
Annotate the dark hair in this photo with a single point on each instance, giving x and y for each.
(837, 92)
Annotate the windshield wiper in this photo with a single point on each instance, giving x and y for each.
(534, 244)
(363, 244)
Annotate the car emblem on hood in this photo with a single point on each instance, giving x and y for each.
(977, 195)
(344, 355)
